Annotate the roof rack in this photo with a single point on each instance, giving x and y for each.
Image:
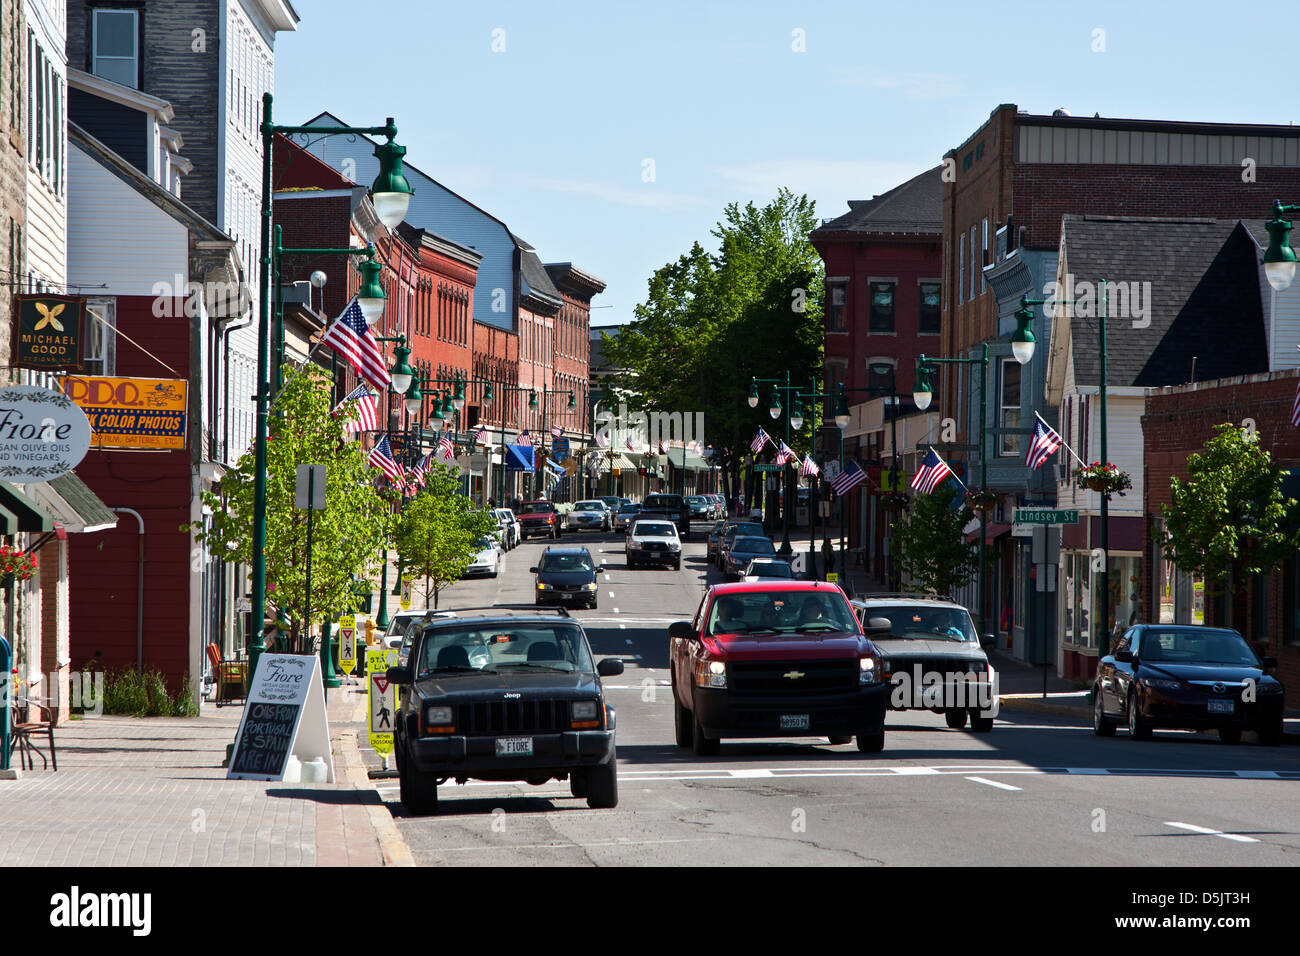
(534, 608)
(906, 595)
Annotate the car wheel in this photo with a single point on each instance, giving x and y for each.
(682, 721)
(872, 743)
(703, 746)
(955, 718)
(1271, 735)
(1138, 727)
(839, 741)
(981, 725)
(578, 783)
(418, 791)
(602, 784)
(1230, 735)
(1102, 725)
(677, 565)
(592, 605)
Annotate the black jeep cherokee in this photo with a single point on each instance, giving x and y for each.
(497, 694)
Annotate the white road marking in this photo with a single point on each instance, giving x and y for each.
(615, 610)
(622, 627)
(1236, 837)
(914, 771)
(611, 593)
(992, 783)
(746, 774)
(572, 846)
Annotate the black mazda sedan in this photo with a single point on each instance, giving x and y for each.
(1187, 677)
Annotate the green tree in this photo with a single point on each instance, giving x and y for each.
(1229, 520)
(347, 537)
(711, 321)
(437, 531)
(932, 547)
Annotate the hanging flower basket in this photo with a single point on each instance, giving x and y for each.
(15, 564)
(981, 499)
(895, 502)
(1106, 479)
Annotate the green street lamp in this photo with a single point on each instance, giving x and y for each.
(774, 409)
(922, 391)
(402, 373)
(1280, 258)
(371, 296)
(459, 399)
(774, 405)
(414, 398)
(1022, 340)
(842, 416)
(390, 191)
(753, 394)
(796, 414)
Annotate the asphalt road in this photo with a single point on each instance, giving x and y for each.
(1038, 790)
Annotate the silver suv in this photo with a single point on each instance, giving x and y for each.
(933, 657)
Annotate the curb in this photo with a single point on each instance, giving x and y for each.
(391, 845)
(1041, 706)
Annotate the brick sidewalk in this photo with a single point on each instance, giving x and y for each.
(152, 792)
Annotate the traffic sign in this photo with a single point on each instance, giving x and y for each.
(382, 699)
(1046, 516)
(832, 577)
(347, 643)
(405, 600)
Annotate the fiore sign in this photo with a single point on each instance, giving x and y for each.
(144, 413)
(43, 434)
(49, 332)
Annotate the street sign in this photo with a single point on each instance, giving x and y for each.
(832, 577)
(285, 715)
(348, 643)
(768, 466)
(1046, 516)
(382, 699)
(405, 599)
(560, 447)
(309, 488)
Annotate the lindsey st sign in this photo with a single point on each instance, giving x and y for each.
(43, 434)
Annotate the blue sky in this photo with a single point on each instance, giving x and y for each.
(553, 134)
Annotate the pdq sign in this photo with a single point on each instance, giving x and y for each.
(43, 434)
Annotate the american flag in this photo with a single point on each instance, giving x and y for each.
(480, 437)
(381, 457)
(446, 449)
(421, 469)
(932, 472)
(759, 441)
(809, 467)
(1046, 441)
(663, 446)
(367, 417)
(601, 438)
(524, 438)
(784, 454)
(848, 479)
(557, 431)
(351, 338)
(628, 442)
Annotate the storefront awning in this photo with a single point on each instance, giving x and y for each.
(73, 505)
(623, 463)
(687, 460)
(520, 458)
(995, 530)
(20, 513)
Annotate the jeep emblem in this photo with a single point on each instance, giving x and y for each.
(512, 696)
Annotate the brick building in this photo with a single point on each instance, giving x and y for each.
(1176, 423)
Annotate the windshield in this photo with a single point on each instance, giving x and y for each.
(502, 646)
(482, 544)
(695, 501)
(589, 506)
(566, 562)
(744, 527)
(771, 569)
(670, 502)
(1196, 646)
(746, 545)
(647, 529)
(629, 509)
(926, 623)
(781, 612)
(537, 507)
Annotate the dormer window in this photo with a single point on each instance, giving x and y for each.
(116, 46)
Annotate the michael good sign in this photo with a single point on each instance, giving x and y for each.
(42, 434)
(49, 332)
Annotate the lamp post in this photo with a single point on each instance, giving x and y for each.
(774, 409)
(401, 375)
(392, 195)
(1023, 350)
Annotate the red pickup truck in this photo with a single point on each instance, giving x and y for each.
(775, 658)
(538, 518)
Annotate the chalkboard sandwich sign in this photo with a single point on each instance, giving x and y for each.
(285, 714)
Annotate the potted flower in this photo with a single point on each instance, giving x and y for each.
(895, 501)
(981, 499)
(15, 564)
(1107, 478)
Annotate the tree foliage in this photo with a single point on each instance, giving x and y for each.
(347, 537)
(437, 530)
(711, 321)
(1230, 519)
(932, 548)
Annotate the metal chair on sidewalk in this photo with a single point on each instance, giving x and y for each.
(22, 732)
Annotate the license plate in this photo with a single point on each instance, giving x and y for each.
(1220, 706)
(514, 746)
(794, 721)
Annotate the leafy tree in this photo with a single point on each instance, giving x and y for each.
(347, 537)
(932, 547)
(1229, 520)
(711, 321)
(437, 530)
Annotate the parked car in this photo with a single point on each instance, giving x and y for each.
(625, 515)
(933, 658)
(589, 515)
(712, 540)
(700, 506)
(488, 558)
(532, 709)
(763, 568)
(1188, 677)
(730, 531)
(613, 501)
(653, 541)
(509, 526)
(566, 575)
(538, 518)
(743, 549)
(775, 659)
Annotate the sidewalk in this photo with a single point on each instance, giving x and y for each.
(152, 792)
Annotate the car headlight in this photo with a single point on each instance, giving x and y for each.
(585, 709)
(437, 716)
(711, 674)
(1268, 686)
(871, 669)
(978, 667)
(1163, 683)
(591, 586)
(543, 587)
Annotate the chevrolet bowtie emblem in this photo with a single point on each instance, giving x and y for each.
(793, 675)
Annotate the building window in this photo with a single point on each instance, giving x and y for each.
(1009, 444)
(837, 297)
(116, 46)
(928, 316)
(974, 266)
(984, 255)
(961, 265)
(880, 374)
(882, 307)
(100, 337)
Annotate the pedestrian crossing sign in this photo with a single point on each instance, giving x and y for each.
(348, 643)
(382, 699)
(405, 600)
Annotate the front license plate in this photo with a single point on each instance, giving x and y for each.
(794, 721)
(514, 746)
(1220, 706)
